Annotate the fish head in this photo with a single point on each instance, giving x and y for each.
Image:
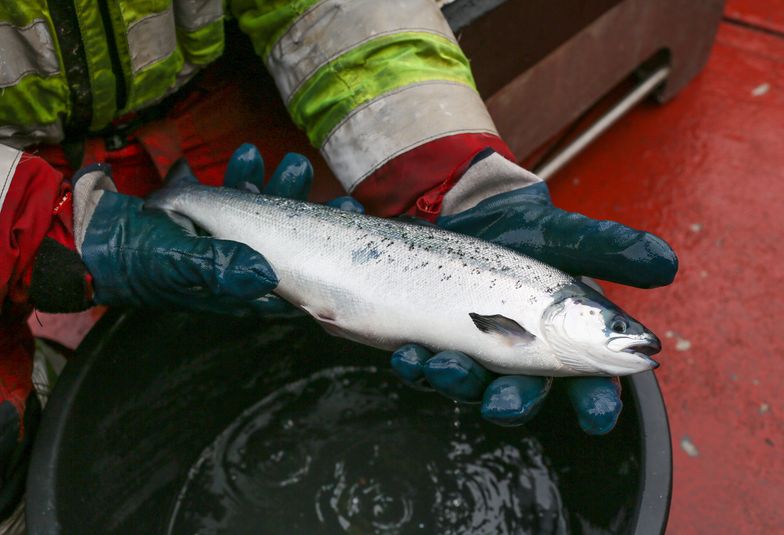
(591, 335)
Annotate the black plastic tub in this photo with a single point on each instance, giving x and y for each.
(148, 392)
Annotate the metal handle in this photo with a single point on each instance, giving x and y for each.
(557, 162)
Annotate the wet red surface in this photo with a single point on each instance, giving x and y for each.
(767, 14)
(706, 172)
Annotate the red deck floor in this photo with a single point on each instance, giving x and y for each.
(706, 172)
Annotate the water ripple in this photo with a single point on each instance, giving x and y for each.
(350, 450)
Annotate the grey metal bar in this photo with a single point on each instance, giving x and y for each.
(557, 162)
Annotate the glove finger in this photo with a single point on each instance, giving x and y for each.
(606, 250)
(292, 178)
(408, 362)
(226, 267)
(597, 402)
(513, 400)
(457, 376)
(525, 220)
(347, 204)
(245, 169)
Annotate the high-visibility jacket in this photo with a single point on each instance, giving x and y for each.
(368, 80)
(381, 88)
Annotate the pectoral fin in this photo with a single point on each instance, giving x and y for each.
(511, 331)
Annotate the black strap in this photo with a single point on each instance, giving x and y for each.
(114, 55)
(66, 25)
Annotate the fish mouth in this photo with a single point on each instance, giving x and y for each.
(645, 349)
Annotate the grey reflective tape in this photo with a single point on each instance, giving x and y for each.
(152, 39)
(20, 137)
(26, 50)
(400, 121)
(87, 193)
(194, 14)
(487, 178)
(332, 27)
(9, 159)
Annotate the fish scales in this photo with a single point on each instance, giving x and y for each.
(462, 249)
(385, 283)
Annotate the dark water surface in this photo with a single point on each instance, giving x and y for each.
(352, 450)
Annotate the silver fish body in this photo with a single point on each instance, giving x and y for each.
(385, 283)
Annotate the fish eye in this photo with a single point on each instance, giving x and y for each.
(619, 326)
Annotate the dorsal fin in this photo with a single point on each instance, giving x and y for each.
(180, 174)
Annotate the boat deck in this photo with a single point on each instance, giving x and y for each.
(706, 172)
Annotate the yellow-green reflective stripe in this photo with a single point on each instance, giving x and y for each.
(26, 50)
(99, 66)
(135, 10)
(24, 12)
(153, 83)
(204, 45)
(34, 103)
(266, 21)
(333, 27)
(35, 106)
(370, 70)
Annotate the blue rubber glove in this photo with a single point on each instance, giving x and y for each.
(526, 220)
(144, 258)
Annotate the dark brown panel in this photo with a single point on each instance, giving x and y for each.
(540, 100)
(517, 34)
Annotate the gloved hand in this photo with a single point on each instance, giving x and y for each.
(143, 257)
(525, 220)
